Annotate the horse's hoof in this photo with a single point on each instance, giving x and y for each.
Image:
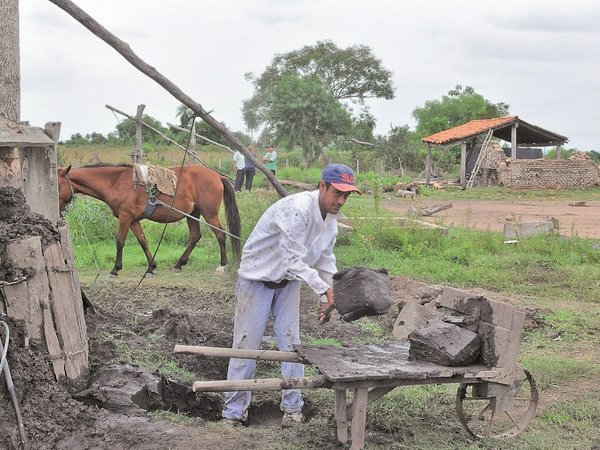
(111, 277)
(220, 270)
(176, 270)
(149, 275)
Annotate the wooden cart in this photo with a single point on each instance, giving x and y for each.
(495, 400)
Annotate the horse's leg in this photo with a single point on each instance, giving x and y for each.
(136, 227)
(220, 235)
(124, 224)
(194, 236)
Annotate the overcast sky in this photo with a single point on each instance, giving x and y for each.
(540, 57)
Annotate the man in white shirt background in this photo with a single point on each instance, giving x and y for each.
(240, 164)
(292, 242)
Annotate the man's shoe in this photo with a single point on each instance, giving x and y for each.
(233, 422)
(291, 419)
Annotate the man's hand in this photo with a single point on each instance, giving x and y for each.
(325, 309)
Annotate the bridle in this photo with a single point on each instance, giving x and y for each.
(72, 192)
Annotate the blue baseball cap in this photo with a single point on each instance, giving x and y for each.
(340, 177)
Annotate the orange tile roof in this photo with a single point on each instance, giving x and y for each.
(470, 129)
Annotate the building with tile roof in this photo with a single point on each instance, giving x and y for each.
(509, 128)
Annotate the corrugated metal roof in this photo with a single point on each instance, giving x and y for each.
(467, 130)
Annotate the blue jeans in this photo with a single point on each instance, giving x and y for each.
(254, 303)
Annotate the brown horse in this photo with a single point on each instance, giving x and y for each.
(199, 192)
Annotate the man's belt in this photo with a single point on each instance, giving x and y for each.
(276, 285)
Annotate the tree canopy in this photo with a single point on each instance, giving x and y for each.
(300, 111)
(326, 75)
(459, 106)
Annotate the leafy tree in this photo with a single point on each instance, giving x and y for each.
(459, 106)
(301, 111)
(76, 139)
(96, 138)
(329, 76)
(401, 148)
(126, 131)
(185, 116)
(363, 127)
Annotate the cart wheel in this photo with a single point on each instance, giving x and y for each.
(477, 414)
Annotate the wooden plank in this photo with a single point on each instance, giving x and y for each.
(374, 394)
(421, 223)
(359, 419)
(66, 308)
(52, 344)
(264, 384)
(431, 210)
(24, 301)
(26, 254)
(370, 363)
(37, 292)
(220, 352)
(341, 416)
(16, 299)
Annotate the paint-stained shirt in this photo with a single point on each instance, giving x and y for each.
(292, 241)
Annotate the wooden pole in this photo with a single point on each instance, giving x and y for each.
(463, 164)
(125, 50)
(138, 156)
(192, 148)
(265, 384)
(428, 165)
(513, 141)
(220, 352)
(163, 136)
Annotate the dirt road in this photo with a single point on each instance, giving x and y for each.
(582, 221)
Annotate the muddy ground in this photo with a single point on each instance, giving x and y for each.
(155, 317)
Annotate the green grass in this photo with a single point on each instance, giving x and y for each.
(325, 342)
(173, 417)
(153, 360)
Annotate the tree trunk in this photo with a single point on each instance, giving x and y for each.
(10, 76)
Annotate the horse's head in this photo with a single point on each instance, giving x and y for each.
(65, 190)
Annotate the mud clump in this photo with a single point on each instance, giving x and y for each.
(18, 222)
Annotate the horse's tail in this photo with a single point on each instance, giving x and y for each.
(233, 216)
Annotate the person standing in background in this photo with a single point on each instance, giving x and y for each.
(240, 165)
(271, 159)
(249, 169)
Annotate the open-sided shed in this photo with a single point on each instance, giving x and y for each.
(509, 128)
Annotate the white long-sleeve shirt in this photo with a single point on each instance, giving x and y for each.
(292, 241)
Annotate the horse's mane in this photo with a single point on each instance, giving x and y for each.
(106, 165)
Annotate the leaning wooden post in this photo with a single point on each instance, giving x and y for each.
(138, 156)
(124, 50)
